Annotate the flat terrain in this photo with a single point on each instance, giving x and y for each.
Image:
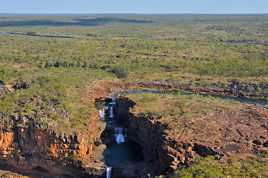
(52, 68)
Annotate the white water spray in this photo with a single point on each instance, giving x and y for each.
(119, 136)
(111, 112)
(102, 114)
(108, 172)
(113, 101)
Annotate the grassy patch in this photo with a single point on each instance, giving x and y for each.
(208, 167)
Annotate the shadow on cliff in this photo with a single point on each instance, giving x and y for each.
(146, 137)
(150, 134)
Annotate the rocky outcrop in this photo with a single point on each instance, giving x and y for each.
(234, 88)
(6, 141)
(31, 148)
(162, 153)
(8, 174)
(32, 143)
(248, 89)
(27, 147)
(6, 88)
(21, 85)
(221, 134)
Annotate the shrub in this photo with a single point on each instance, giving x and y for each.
(120, 72)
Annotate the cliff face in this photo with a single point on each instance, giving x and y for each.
(150, 135)
(158, 151)
(165, 146)
(6, 141)
(163, 153)
(29, 149)
(31, 142)
(8, 174)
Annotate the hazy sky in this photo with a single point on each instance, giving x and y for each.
(134, 6)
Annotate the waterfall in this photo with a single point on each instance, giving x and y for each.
(119, 136)
(108, 172)
(111, 112)
(102, 114)
(111, 106)
(113, 100)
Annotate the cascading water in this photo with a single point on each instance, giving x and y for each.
(108, 172)
(120, 151)
(111, 112)
(102, 114)
(119, 136)
(113, 101)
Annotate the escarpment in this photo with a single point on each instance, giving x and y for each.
(162, 154)
(29, 149)
(33, 147)
(168, 145)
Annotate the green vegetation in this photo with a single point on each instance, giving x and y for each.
(186, 48)
(180, 106)
(208, 167)
(56, 98)
(170, 45)
(60, 56)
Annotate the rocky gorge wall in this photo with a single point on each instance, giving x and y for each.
(162, 154)
(221, 134)
(31, 150)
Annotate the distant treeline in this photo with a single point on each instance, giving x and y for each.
(118, 71)
(66, 64)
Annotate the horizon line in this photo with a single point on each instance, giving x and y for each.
(119, 13)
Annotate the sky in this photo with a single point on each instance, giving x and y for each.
(134, 6)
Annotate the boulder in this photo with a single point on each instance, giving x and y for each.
(265, 144)
(21, 85)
